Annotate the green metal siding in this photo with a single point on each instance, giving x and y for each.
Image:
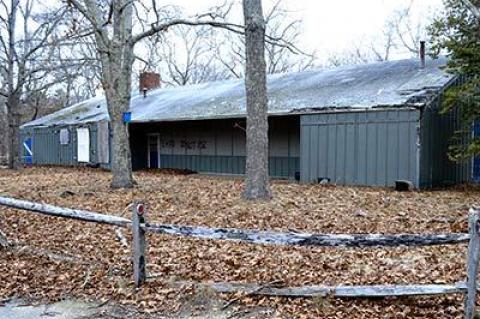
(436, 135)
(279, 167)
(47, 149)
(374, 148)
(223, 146)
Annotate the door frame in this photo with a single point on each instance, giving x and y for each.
(149, 135)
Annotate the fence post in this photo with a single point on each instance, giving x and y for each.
(472, 266)
(138, 243)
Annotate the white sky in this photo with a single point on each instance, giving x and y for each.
(333, 25)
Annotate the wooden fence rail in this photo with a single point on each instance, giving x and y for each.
(344, 240)
(304, 239)
(374, 291)
(51, 210)
(140, 227)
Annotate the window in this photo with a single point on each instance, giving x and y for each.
(64, 136)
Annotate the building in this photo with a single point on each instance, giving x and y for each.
(359, 125)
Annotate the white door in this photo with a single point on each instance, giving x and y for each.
(83, 145)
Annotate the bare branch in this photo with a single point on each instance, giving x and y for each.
(473, 8)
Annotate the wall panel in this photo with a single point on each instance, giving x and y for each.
(360, 148)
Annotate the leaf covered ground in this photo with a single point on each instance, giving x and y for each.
(95, 266)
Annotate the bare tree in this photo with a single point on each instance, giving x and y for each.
(80, 79)
(193, 55)
(257, 179)
(400, 34)
(230, 51)
(112, 24)
(25, 40)
(186, 57)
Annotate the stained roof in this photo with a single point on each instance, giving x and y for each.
(383, 84)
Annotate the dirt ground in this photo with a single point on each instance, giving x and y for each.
(94, 266)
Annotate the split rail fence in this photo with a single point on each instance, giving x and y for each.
(140, 226)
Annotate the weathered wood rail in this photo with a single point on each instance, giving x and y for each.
(140, 227)
(51, 210)
(374, 291)
(304, 239)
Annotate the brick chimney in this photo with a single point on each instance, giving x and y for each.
(148, 81)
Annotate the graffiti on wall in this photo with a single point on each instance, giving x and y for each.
(185, 143)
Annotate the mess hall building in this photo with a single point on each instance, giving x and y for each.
(365, 125)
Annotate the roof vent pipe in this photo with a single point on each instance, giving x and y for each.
(422, 55)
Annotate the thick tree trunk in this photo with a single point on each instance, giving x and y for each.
(122, 163)
(121, 156)
(257, 179)
(117, 60)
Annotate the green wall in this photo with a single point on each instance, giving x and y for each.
(216, 146)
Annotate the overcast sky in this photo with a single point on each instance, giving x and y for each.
(333, 25)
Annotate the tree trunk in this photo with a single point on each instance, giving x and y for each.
(13, 134)
(118, 86)
(5, 133)
(121, 156)
(257, 179)
(117, 60)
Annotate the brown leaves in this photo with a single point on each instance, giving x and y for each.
(104, 269)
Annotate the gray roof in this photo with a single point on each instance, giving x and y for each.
(384, 84)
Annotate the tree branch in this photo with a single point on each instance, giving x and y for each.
(473, 8)
(239, 29)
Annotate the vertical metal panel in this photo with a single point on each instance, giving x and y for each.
(362, 152)
(374, 147)
(436, 135)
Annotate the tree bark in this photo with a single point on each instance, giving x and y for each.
(117, 60)
(13, 99)
(257, 179)
(13, 131)
(121, 156)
